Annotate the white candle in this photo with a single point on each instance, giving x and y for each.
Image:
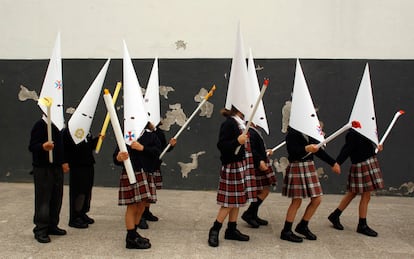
(397, 114)
(118, 135)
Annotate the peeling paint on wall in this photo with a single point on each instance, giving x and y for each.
(286, 115)
(175, 115)
(180, 44)
(186, 168)
(207, 109)
(26, 94)
(164, 90)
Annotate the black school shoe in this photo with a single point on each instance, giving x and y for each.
(213, 237)
(88, 219)
(290, 236)
(250, 219)
(306, 232)
(261, 222)
(235, 234)
(143, 224)
(335, 222)
(78, 223)
(366, 231)
(137, 242)
(42, 238)
(56, 231)
(149, 216)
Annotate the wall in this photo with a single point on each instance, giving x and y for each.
(195, 42)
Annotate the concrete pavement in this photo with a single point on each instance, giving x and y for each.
(185, 218)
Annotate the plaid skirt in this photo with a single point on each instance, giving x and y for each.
(143, 190)
(158, 179)
(250, 173)
(232, 190)
(301, 181)
(265, 178)
(365, 176)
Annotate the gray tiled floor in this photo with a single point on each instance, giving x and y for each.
(186, 216)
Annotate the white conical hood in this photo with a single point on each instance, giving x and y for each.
(53, 87)
(238, 93)
(135, 116)
(81, 120)
(260, 116)
(303, 115)
(152, 96)
(364, 111)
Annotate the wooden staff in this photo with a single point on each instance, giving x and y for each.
(119, 136)
(397, 114)
(259, 98)
(209, 94)
(107, 118)
(47, 101)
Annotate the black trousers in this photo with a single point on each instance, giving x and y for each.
(80, 190)
(48, 183)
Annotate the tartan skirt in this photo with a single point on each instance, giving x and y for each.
(249, 174)
(143, 190)
(265, 178)
(158, 179)
(301, 181)
(365, 176)
(232, 190)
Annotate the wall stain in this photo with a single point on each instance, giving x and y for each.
(186, 168)
(26, 94)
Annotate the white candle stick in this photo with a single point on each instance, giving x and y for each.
(397, 114)
(353, 124)
(210, 93)
(47, 101)
(256, 105)
(118, 135)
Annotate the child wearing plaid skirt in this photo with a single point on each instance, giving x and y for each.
(364, 177)
(265, 177)
(143, 154)
(236, 185)
(301, 181)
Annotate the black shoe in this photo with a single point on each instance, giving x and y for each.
(78, 223)
(366, 231)
(335, 222)
(235, 234)
(261, 222)
(149, 216)
(143, 224)
(306, 232)
(250, 219)
(57, 231)
(42, 238)
(213, 237)
(87, 219)
(138, 235)
(137, 243)
(290, 236)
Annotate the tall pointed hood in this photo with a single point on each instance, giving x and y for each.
(363, 110)
(303, 115)
(81, 120)
(135, 116)
(152, 96)
(238, 93)
(53, 87)
(260, 116)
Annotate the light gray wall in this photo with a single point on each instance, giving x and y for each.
(378, 29)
